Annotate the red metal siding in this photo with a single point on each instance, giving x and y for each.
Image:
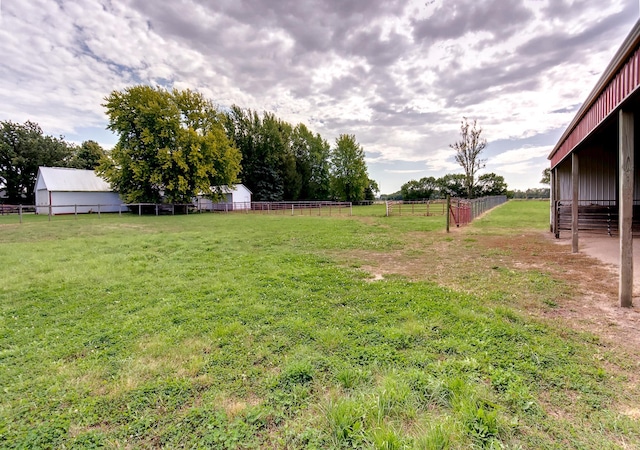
(623, 84)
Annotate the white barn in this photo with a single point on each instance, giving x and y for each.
(66, 191)
(236, 198)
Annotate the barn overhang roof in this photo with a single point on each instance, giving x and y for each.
(620, 79)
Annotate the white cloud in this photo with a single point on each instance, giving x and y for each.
(399, 75)
(520, 155)
(404, 171)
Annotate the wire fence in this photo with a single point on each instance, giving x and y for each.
(463, 211)
(319, 208)
(293, 208)
(416, 208)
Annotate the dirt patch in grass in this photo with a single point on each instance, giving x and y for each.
(531, 271)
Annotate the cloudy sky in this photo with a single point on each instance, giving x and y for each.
(399, 75)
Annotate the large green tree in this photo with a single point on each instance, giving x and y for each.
(312, 164)
(24, 148)
(453, 185)
(546, 176)
(172, 146)
(468, 150)
(371, 190)
(279, 161)
(263, 152)
(490, 184)
(422, 189)
(349, 177)
(87, 155)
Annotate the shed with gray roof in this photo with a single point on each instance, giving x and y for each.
(67, 191)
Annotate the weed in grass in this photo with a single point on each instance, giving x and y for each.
(345, 418)
(296, 373)
(352, 377)
(385, 437)
(437, 437)
(392, 399)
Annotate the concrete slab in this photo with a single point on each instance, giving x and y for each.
(607, 249)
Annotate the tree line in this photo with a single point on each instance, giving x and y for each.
(281, 161)
(24, 148)
(453, 185)
(175, 145)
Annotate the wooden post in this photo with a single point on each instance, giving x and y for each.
(448, 206)
(556, 197)
(625, 212)
(552, 200)
(98, 211)
(575, 185)
(20, 211)
(75, 211)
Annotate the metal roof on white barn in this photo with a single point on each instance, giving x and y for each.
(62, 179)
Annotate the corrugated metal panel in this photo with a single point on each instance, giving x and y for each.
(59, 179)
(597, 177)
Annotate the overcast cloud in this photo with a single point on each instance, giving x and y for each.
(398, 74)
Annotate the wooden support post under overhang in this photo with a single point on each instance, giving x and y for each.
(553, 197)
(575, 184)
(556, 193)
(551, 202)
(625, 212)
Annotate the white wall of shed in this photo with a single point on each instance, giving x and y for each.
(65, 202)
(42, 201)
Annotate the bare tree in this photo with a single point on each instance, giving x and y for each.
(468, 150)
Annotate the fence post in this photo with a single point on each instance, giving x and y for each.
(20, 212)
(448, 206)
(75, 211)
(49, 211)
(98, 210)
(156, 209)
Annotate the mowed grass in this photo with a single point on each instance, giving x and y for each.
(249, 331)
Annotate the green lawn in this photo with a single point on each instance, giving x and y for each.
(251, 331)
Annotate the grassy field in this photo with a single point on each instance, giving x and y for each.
(265, 331)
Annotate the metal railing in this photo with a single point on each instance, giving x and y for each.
(294, 208)
(464, 211)
(413, 207)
